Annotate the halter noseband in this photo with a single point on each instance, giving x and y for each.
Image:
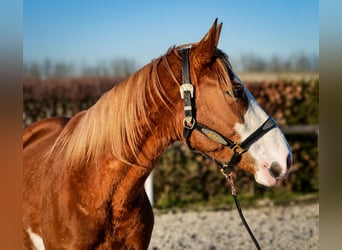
(187, 94)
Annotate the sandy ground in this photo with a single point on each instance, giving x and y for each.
(275, 227)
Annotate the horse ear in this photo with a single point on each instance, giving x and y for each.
(206, 47)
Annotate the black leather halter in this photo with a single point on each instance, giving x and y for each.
(190, 124)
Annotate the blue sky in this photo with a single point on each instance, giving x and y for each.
(84, 31)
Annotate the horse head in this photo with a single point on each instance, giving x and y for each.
(222, 120)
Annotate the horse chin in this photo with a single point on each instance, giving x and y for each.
(264, 177)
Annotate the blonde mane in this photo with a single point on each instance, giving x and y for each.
(118, 121)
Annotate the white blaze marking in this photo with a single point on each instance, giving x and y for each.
(271, 147)
(36, 240)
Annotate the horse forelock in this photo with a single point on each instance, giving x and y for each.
(118, 122)
(224, 67)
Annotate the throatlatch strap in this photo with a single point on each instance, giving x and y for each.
(185, 66)
(187, 94)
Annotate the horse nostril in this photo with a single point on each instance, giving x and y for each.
(275, 169)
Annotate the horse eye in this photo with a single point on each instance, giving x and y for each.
(237, 90)
(227, 93)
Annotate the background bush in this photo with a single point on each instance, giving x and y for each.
(182, 177)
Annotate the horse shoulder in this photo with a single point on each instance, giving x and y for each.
(37, 138)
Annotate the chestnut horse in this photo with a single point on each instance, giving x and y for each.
(84, 177)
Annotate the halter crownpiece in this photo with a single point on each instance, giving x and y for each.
(190, 124)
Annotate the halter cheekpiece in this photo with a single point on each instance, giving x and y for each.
(187, 91)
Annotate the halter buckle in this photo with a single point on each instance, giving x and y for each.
(186, 87)
(189, 120)
(238, 149)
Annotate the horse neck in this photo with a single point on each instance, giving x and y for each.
(113, 146)
(148, 109)
(164, 109)
(156, 134)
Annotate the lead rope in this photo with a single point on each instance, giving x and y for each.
(230, 181)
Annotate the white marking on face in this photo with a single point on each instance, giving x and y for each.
(36, 240)
(272, 147)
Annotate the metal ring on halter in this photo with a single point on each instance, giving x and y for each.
(225, 171)
(238, 149)
(189, 120)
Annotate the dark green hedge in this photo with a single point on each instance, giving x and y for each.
(182, 177)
